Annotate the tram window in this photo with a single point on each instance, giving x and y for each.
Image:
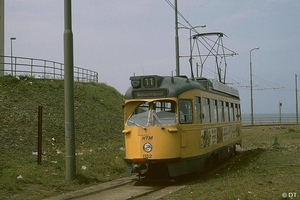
(240, 112)
(214, 116)
(226, 111)
(185, 111)
(156, 113)
(231, 112)
(237, 112)
(220, 111)
(198, 110)
(205, 110)
(164, 106)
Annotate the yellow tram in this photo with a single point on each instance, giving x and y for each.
(175, 125)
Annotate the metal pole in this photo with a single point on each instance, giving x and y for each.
(11, 55)
(69, 93)
(176, 40)
(296, 83)
(2, 52)
(191, 53)
(280, 105)
(251, 88)
(40, 125)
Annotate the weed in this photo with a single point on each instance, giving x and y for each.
(291, 130)
(276, 143)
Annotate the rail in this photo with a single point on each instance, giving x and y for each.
(42, 69)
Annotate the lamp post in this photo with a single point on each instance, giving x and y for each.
(251, 88)
(11, 54)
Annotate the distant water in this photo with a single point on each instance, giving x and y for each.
(271, 118)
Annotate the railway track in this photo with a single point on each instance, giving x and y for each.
(133, 188)
(124, 188)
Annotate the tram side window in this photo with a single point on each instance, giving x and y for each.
(198, 110)
(214, 116)
(205, 110)
(237, 112)
(226, 111)
(186, 111)
(220, 111)
(231, 113)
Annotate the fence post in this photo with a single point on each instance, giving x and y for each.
(45, 69)
(31, 66)
(61, 72)
(40, 123)
(54, 69)
(15, 66)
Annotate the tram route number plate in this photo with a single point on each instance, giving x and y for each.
(149, 82)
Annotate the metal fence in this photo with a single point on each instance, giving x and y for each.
(43, 69)
(270, 120)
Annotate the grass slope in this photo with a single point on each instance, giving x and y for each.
(98, 126)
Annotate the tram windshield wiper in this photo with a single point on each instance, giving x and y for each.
(133, 122)
(158, 120)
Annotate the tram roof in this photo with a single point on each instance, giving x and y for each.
(154, 86)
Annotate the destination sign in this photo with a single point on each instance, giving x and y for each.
(149, 94)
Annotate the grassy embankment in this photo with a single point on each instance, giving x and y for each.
(269, 168)
(98, 126)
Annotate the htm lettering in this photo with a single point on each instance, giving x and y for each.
(147, 138)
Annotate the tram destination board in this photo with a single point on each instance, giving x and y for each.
(150, 94)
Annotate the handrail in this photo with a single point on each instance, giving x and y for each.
(42, 69)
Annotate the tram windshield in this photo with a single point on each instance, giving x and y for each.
(155, 113)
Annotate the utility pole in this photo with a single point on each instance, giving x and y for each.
(251, 88)
(69, 93)
(1, 37)
(296, 83)
(176, 40)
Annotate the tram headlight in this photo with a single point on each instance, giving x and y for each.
(147, 147)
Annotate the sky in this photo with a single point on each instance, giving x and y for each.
(120, 38)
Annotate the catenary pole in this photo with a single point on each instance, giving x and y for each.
(2, 38)
(251, 88)
(69, 93)
(176, 40)
(296, 83)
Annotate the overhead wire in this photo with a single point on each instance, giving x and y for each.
(181, 15)
(266, 85)
(206, 44)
